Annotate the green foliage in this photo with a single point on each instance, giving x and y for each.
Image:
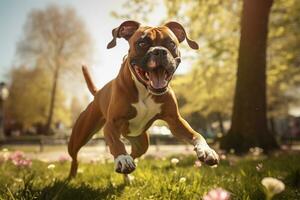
(29, 97)
(137, 9)
(283, 58)
(154, 179)
(209, 85)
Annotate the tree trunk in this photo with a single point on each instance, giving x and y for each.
(2, 135)
(52, 101)
(272, 125)
(220, 120)
(249, 121)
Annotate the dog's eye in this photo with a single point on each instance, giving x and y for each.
(172, 44)
(142, 44)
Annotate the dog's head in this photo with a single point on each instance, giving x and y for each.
(153, 54)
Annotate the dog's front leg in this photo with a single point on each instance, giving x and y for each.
(124, 163)
(181, 129)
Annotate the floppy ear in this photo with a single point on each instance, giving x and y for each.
(180, 33)
(125, 30)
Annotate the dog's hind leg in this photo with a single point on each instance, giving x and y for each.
(139, 145)
(87, 124)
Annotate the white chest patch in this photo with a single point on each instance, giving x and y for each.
(146, 109)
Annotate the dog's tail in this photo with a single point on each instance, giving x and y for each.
(88, 79)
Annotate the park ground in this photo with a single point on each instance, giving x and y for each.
(155, 178)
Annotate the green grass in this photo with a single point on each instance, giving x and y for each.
(36, 148)
(154, 179)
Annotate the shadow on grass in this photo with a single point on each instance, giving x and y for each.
(65, 190)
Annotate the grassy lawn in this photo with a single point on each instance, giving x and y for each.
(154, 179)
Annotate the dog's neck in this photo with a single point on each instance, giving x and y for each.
(128, 81)
(143, 92)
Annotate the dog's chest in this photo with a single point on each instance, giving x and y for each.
(146, 109)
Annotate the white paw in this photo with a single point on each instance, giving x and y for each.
(124, 164)
(206, 154)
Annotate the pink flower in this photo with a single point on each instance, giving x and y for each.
(197, 164)
(217, 194)
(19, 160)
(23, 163)
(223, 157)
(17, 155)
(63, 158)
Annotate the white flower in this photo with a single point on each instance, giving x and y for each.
(136, 161)
(174, 161)
(51, 166)
(5, 150)
(232, 151)
(4, 156)
(19, 180)
(113, 184)
(256, 151)
(273, 186)
(182, 180)
(44, 160)
(128, 179)
(259, 167)
(80, 171)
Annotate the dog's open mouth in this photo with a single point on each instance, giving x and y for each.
(157, 80)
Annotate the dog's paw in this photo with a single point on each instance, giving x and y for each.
(124, 164)
(206, 154)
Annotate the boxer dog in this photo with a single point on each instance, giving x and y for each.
(139, 95)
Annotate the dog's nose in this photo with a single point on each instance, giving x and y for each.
(159, 52)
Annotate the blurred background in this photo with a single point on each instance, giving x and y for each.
(44, 43)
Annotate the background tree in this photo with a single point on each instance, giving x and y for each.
(57, 37)
(76, 107)
(29, 97)
(249, 119)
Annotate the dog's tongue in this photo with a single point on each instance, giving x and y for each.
(157, 79)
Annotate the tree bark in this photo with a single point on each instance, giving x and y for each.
(2, 134)
(272, 125)
(52, 101)
(220, 121)
(249, 121)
